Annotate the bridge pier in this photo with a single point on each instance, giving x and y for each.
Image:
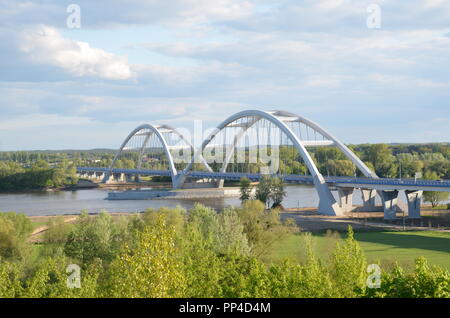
(106, 177)
(389, 204)
(368, 199)
(327, 203)
(129, 178)
(346, 199)
(414, 199)
(118, 176)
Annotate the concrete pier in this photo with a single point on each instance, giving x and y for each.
(346, 199)
(368, 198)
(389, 204)
(414, 199)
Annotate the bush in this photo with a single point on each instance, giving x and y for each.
(95, 237)
(262, 227)
(424, 282)
(14, 231)
(151, 268)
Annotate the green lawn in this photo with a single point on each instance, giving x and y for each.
(386, 247)
(38, 224)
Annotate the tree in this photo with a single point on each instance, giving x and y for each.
(380, 155)
(409, 165)
(151, 268)
(231, 239)
(14, 231)
(245, 189)
(349, 266)
(435, 198)
(277, 192)
(270, 189)
(95, 237)
(262, 227)
(425, 282)
(263, 189)
(341, 167)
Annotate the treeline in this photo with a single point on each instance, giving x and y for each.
(14, 176)
(388, 161)
(27, 158)
(196, 253)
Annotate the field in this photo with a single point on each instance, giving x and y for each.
(386, 247)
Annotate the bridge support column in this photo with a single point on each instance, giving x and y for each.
(368, 198)
(327, 203)
(414, 199)
(118, 177)
(346, 199)
(389, 204)
(129, 178)
(106, 177)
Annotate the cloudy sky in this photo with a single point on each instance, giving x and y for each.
(173, 61)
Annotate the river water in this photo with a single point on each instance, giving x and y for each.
(93, 200)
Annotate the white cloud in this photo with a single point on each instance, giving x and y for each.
(46, 45)
(35, 121)
(202, 59)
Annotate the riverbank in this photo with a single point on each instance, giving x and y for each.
(306, 219)
(154, 194)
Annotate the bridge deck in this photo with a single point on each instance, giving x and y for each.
(351, 182)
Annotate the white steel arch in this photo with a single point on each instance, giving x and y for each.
(327, 203)
(347, 152)
(157, 130)
(153, 130)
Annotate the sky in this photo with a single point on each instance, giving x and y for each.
(367, 71)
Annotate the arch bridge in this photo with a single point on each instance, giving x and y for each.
(253, 143)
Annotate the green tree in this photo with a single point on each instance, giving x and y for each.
(95, 237)
(380, 155)
(435, 198)
(349, 267)
(245, 189)
(262, 227)
(14, 231)
(425, 282)
(277, 192)
(151, 268)
(263, 189)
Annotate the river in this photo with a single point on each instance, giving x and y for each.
(93, 200)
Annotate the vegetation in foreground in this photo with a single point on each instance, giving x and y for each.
(195, 253)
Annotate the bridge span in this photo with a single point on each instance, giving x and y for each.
(254, 139)
(388, 189)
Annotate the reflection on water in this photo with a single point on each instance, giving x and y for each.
(93, 200)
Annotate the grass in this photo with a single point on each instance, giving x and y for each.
(384, 247)
(37, 224)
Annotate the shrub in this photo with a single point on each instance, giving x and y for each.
(14, 231)
(151, 268)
